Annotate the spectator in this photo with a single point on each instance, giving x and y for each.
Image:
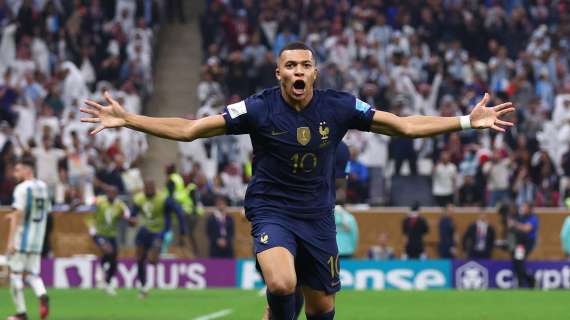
(444, 180)
(346, 232)
(374, 156)
(446, 228)
(232, 181)
(523, 187)
(284, 37)
(525, 228)
(254, 54)
(74, 87)
(479, 239)
(332, 77)
(545, 177)
(381, 251)
(414, 228)
(497, 172)
(402, 149)
(470, 194)
(357, 190)
(47, 159)
(110, 173)
(7, 179)
(220, 231)
(500, 68)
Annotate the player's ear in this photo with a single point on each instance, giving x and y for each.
(277, 74)
(316, 74)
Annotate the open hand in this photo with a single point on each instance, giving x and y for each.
(112, 115)
(482, 117)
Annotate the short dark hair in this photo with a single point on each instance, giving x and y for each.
(297, 45)
(27, 161)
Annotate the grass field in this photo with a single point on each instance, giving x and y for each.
(232, 304)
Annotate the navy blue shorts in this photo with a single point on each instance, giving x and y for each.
(100, 241)
(148, 239)
(311, 242)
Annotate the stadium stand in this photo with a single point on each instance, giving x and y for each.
(54, 55)
(410, 57)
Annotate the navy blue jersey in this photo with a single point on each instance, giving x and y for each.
(294, 151)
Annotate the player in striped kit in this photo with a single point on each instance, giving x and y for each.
(28, 221)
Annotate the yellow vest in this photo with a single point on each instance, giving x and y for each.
(179, 193)
(189, 204)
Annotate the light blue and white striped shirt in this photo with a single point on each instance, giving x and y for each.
(31, 198)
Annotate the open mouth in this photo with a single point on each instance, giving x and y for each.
(299, 87)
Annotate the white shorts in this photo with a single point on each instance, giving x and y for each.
(25, 262)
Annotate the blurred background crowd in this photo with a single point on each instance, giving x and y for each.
(433, 57)
(53, 56)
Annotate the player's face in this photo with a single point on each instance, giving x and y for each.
(18, 172)
(297, 73)
(221, 204)
(112, 194)
(21, 172)
(149, 189)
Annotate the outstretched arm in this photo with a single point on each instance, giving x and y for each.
(114, 115)
(481, 117)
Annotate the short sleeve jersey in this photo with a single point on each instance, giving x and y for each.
(31, 198)
(294, 151)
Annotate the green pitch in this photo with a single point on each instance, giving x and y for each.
(247, 304)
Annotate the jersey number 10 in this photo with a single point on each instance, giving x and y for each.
(306, 162)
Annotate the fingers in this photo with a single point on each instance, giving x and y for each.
(93, 104)
(502, 106)
(108, 97)
(503, 123)
(97, 130)
(505, 111)
(89, 111)
(485, 100)
(497, 128)
(90, 120)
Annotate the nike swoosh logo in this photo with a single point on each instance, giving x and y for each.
(277, 133)
(334, 284)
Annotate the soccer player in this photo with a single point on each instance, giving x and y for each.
(26, 236)
(153, 209)
(295, 130)
(103, 228)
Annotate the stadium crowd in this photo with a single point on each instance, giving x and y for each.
(53, 55)
(432, 57)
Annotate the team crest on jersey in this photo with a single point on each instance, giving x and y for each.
(324, 130)
(303, 135)
(264, 238)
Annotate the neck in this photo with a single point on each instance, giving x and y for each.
(298, 105)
